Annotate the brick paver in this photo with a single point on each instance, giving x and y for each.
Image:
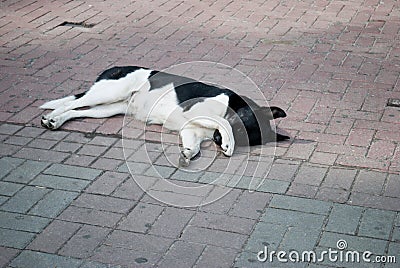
(67, 198)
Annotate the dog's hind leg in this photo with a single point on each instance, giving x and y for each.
(100, 111)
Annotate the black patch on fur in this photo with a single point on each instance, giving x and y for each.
(116, 73)
(79, 95)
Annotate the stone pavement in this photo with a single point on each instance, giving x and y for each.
(67, 198)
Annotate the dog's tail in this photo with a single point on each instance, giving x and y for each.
(54, 104)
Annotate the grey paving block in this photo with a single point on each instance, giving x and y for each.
(159, 171)
(292, 218)
(61, 183)
(27, 171)
(84, 242)
(73, 172)
(360, 244)
(107, 183)
(273, 186)
(9, 188)
(125, 257)
(250, 205)
(394, 249)
(265, 234)
(55, 235)
(300, 204)
(14, 238)
(344, 219)
(376, 223)
(54, 135)
(21, 222)
(182, 254)
(139, 242)
(3, 199)
(141, 218)
(23, 200)
(130, 189)
(186, 176)
(90, 216)
(310, 175)
(32, 132)
(134, 168)
(42, 143)
(94, 264)
(393, 185)
(7, 164)
(213, 256)
(300, 239)
(31, 259)
(339, 178)
(171, 222)
(92, 150)
(282, 171)
(53, 203)
(224, 204)
(369, 182)
(103, 141)
(214, 237)
(41, 155)
(9, 129)
(105, 203)
(6, 255)
(223, 222)
(68, 147)
(249, 260)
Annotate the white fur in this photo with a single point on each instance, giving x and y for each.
(156, 106)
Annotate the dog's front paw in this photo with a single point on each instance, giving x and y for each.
(227, 143)
(50, 123)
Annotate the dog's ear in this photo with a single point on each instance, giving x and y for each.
(273, 112)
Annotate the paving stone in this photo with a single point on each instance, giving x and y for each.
(141, 218)
(54, 135)
(213, 237)
(61, 183)
(224, 204)
(282, 172)
(186, 176)
(24, 199)
(300, 204)
(105, 203)
(333, 194)
(31, 259)
(9, 188)
(171, 222)
(139, 242)
(22, 222)
(159, 171)
(41, 155)
(15, 140)
(107, 183)
(265, 234)
(311, 175)
(56, 234)
(344, 219)
(125, 257)
(250, 205)
(90, 216)
(369, 182)
(73, 172)
(376, 223)
(223, 222)
(84, 242)
(14, 238)
(302, 190)
(32, 132)
(292, 218)
(68, 147)
(394, 249)
(80, 160)
(6, 255)
(182, 254)
(216, 256)
(92, 150)
(393, 186)
(339, 178)
(42, 143)
(9, 129)
(103, 141)
(273, 186)
(7, 164)
(94, 264)
(133, 189)
(53, 204)
(26, 172)
(360, 244)
(106, 164)
(3, 199)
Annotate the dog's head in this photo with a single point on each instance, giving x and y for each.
(251, 126)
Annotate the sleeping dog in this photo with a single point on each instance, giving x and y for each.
(197, 110)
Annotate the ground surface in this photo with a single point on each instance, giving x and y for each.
(68, 200)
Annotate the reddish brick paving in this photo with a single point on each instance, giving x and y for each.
(331, 64)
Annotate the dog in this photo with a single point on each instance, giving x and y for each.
(197, 110)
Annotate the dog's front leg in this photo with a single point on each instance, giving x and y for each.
(190, 143)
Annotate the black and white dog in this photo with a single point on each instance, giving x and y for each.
(197, 110)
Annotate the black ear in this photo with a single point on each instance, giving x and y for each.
(280, 137)
(277, 112)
